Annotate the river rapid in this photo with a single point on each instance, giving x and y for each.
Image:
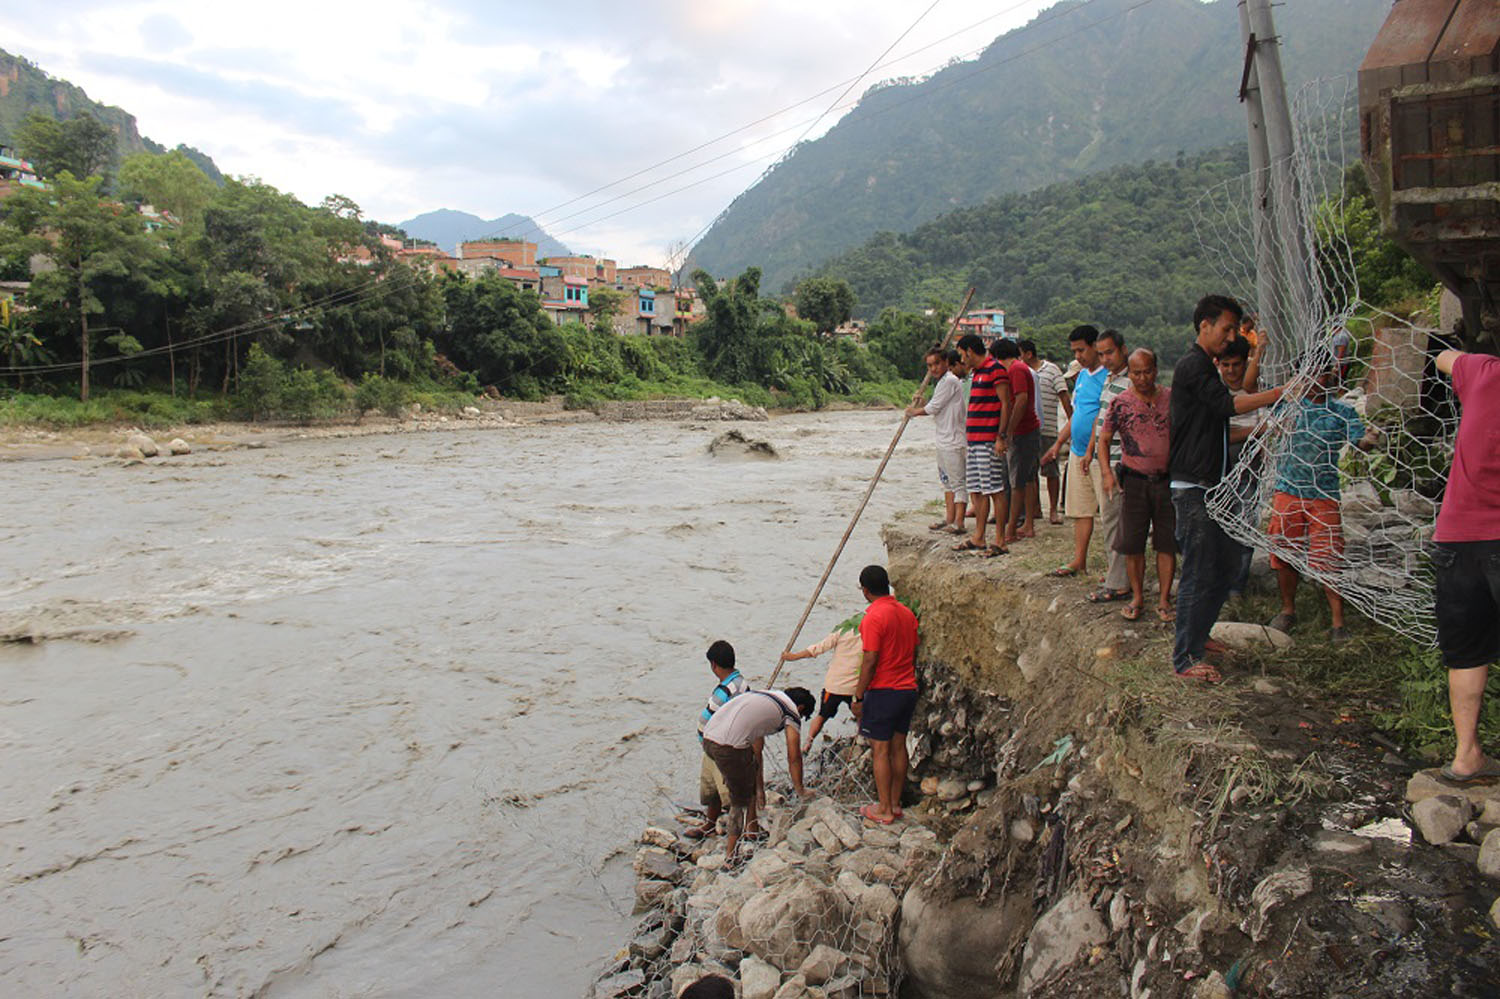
(381, 716)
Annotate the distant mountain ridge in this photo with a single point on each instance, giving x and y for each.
(1087, 85)
(448, 227)
(26, 87)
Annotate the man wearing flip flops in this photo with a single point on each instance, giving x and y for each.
(1467, 557)
(886, 695)
(1200, 407)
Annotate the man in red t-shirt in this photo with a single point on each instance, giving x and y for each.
(1023, 434)
(886, 694)
(1467, 557)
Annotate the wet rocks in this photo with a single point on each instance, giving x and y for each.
(810, 914)
(179, 447)
(733, 444)
(145, 445)
(1489, 855)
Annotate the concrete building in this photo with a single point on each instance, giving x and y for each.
(515, 252)
(988, 323)
(642, 276)
(565, 298)
(590, 269)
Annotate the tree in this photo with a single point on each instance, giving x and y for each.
(168, 180)
(903, 338)
(90, 242)
(81, 145)
(604, 305)
(827, 303)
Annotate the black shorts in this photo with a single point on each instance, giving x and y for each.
(887, 712)
(1145, 509)
(1468, 602)
(830, 704)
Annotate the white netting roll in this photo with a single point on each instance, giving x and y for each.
(1384, 500)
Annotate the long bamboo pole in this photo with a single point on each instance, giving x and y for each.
(864, 502)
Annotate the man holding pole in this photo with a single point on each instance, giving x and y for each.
(886, 694)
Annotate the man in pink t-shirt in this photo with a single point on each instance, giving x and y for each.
(1467, 556)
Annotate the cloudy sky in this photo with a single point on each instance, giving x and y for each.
(505, 106)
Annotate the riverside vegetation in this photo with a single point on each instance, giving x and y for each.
(255, 305)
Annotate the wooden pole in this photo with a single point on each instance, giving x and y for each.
(864, 502)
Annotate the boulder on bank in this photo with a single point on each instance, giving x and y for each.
(179, 446)
(1062, 936)
(951, 948)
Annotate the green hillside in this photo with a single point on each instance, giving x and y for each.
(1087, 85)
(1115, 249)
(25, 87)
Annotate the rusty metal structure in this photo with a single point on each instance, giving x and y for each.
(1429, 102)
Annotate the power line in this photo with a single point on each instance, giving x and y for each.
(848, 84)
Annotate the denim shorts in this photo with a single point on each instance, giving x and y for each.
(1468, 602)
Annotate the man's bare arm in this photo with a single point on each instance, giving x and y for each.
(794, 758)
(1446, 360)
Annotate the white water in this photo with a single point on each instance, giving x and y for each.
(387, 712)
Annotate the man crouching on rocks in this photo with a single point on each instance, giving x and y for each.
(886, 695)
(734, 739)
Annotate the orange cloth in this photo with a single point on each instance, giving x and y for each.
(1317, 522)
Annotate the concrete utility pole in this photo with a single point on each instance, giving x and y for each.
(1281, 213)
(1267, 261)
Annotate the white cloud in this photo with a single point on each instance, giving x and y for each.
(494, 108)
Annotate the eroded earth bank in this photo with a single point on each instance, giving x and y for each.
(1081, 823)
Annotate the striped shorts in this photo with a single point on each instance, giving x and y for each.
(985, 471)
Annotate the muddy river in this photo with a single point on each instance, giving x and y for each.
(381, 716)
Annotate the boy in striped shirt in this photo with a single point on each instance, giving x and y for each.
(713, 792)
(985, 470)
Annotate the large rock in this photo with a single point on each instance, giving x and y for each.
(822, 964)
(1441, 818)
(145, 445)
(758, 980)
(1489, 855)
(1429, 783)
(784, 922)
(1240, 635)
(1063, 935)
(626, 983)
(950, 949)
(180, 446)
(793, 988)
(654, 862)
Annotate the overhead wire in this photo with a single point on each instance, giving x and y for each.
(955, 81)
(545, 216)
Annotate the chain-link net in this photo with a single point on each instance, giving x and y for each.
(1339, 480)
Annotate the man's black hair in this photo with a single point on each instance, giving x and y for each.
(971, 342)
(803, 698)
(1007, 350)
(1112, 334)
(1239, 347)
(1088, 334)
(721, 654)
(1211, 307)
(1027, 346)
(953, 356)
(710, 987)
(875, 579)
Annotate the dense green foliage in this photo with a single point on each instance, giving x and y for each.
(827, 303)
(1083, 87)
(288, 311)
(80, 145)
(1115, 249)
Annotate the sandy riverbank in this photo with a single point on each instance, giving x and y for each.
(37, 443)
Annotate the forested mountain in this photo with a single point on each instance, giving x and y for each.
(24, 88)
(1117, 248)
(447, 228)
(1087, 85)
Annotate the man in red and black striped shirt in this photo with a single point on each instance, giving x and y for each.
(984, 468)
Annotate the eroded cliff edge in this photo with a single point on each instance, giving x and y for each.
(1082, 823)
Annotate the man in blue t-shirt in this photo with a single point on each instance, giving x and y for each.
(1305, 518)
(1083, 491)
